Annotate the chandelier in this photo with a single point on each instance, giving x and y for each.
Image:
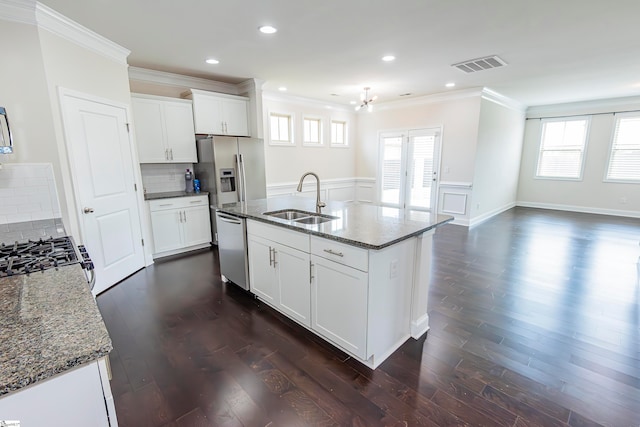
(366, 101)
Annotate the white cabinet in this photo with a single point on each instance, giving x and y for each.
(180, 224)
(164, 129)
(278, 273)
(358, 299)
(339, 298)
(219, 114)
(78, 397)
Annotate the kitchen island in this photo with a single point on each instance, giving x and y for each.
(360, 280)
(53, 347)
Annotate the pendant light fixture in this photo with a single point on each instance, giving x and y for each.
(366, 101)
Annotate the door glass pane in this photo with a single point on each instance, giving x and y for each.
(420, 173)
(391, 169)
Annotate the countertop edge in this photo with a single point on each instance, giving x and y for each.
(15, 386)
(288, 225)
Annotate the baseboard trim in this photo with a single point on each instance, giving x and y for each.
(420, 326)
(485, 216)
(581, 209)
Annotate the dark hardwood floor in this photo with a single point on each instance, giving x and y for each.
(535, 321)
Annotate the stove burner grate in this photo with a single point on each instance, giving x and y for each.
(36, 255)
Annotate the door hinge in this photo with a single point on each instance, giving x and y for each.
(135, 187)
(127, 127)
(142, 240)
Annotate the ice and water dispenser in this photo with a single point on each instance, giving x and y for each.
(227, 180)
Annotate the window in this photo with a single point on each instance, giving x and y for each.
(338, 133)
(281, 131)
(624, 160)
(562, 148)
(312, 131)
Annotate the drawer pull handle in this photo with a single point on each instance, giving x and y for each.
(329, 251)
(167, 204)
(196, 201)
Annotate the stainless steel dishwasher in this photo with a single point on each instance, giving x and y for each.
(232, 249)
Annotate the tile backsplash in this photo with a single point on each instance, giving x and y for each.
(27, 192)
(160, 177)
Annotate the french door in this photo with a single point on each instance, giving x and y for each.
(408, 169)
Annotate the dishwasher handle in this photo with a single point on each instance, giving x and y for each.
(228, 218)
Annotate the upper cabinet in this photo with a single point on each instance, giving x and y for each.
(218, 113)
(164, 129)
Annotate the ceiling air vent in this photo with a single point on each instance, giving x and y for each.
(480, 64)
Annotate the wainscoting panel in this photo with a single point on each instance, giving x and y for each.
(454, 199)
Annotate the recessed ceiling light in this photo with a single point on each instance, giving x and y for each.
(352, 102)
(405, 94)
(268, 29)
(450, 85)
(212, 61)
(388, 58)
(282, 89)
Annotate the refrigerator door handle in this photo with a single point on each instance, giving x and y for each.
(239, 177)
(244, 179)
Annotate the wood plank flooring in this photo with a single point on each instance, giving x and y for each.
(535, 321)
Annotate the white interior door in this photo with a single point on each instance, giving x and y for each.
(103, 176)
(409, 169)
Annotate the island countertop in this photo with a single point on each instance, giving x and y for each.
(364, 225)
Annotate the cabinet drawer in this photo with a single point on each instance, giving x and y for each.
(293, 239)
(178, 203)
(341, 253)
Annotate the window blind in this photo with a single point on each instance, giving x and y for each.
(624, 162)
(562, 149)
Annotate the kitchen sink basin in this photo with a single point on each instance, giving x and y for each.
(315, 219)
(301, 217)
(288, 214)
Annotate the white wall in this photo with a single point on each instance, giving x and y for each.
(458, 115)
(497, 162)
(286, 164)
(591, 194)
(70, 66)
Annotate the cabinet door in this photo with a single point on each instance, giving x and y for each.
(262, 274)
(197, 226)
(235, 117)
(150, 130)
(167, 230)
(207, 115)
(294, 282)
(339, 304)
(181, 139)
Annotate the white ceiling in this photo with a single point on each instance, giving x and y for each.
(556, 50)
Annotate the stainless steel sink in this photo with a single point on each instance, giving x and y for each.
(301, 217)
(288, 214)
(314, 220)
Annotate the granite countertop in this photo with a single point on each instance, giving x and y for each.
(49, 321)
(170, 194)
(364, 225)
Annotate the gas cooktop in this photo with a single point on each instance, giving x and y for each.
(39, 255)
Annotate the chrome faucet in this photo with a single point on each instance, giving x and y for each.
(319, 204)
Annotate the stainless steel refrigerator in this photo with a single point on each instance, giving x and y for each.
(232, 170)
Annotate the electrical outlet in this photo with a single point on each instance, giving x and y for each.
(393, 269)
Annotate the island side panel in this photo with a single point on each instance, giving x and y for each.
(421, 282)
(391, 273)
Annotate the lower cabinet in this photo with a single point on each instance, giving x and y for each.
(339, 311)
(179, 224)
(355, 298)
(279, 275)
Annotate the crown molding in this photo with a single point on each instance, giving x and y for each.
(250, 85)
(171, 79)
(497, 98)
(280, 97)
(608, 105)
(429, 99)
(20, 11)
(34, 13)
